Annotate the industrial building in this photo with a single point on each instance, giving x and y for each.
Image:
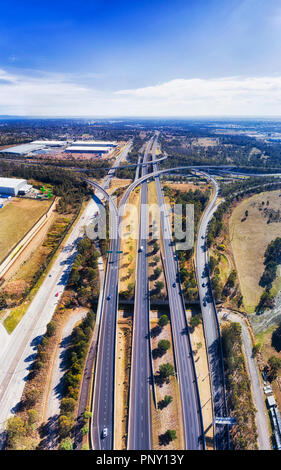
(98, 147)
(13, 186)
(35, 146)
(93, 143)
(89, 149)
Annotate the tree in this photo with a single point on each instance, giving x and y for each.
(171, 434)
(256, 349)
(15, 427)
(163, 346)
(276, 339)
(165, 371)
(85, 430)
(156, 273)
(274, 364)
(31, 397)
(65, 425)
(67, 405)
(167, 437)
(194, 321)
(163, 321)
(51, 329)
(159, 286)
(165, 402)
(66, 444)
(32, 416)
(87, 415)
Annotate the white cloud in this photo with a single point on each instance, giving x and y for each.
(58, 95)
(229, 95)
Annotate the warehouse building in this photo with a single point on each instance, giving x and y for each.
(93, 143)
(88, 149)
(13, 186)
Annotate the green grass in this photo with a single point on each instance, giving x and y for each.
(15, 317)
(17, 313)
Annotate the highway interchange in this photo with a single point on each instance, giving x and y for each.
(20, 348)
(139, 429)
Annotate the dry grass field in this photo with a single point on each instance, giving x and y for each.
(249, 237)
(16, 218)
(170, 416)
(122, 378)
(129, 242)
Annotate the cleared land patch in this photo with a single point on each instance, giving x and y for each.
(169, 417)
(129, 241)
(123, 364)
(249, 236)
(16, 219)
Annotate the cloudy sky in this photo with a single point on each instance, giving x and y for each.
(140, 58)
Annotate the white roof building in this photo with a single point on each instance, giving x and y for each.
(11, 186)
(94, 143)
(89, 149)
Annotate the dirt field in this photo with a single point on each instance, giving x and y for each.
(118, 183)
(187, 186)
(170, 416)
(249, 237)
(32, 256)
(129, 244)
(123, 359)
(16, 218)
(205, 142)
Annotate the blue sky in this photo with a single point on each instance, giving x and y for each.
(157, 57)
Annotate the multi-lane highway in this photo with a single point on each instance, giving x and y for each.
(18, 352)
(139, 433)
(186, 374)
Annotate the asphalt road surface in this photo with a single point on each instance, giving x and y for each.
(186, 375)
(211, 328)
(139, 434)
(19, 350)
(258, 395)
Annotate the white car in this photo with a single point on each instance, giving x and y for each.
(104, 433)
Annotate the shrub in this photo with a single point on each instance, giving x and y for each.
(66, 444)
(163, 320)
